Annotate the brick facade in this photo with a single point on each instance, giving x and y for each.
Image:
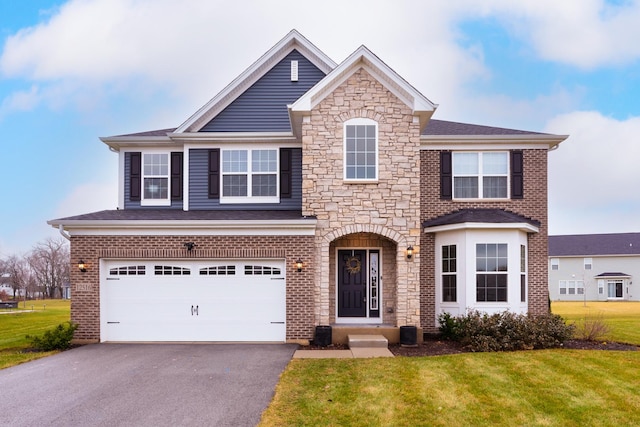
(533, 205)
(388, 207)
(85, 303)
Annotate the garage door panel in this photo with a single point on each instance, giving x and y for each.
(219, 300)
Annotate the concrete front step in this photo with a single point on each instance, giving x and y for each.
(367, 341)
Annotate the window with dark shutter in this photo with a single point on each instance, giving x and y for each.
(517, 175)
(446, 176)
(285, 173)
(214, 173)
(176, 176)
(135, 176)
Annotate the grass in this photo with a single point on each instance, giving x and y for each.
(15, 326)
(622, 317)
(533, 388)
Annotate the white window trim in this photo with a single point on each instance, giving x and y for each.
(249, 199)
(480, 175)
(356, 122)
(143, 176)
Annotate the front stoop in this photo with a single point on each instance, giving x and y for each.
(367, 341)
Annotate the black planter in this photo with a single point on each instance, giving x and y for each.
(322, 336)
(408, 336)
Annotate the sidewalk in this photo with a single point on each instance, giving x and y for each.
(359, 353)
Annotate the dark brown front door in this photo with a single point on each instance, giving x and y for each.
(352, 283)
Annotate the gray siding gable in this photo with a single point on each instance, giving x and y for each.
(263, 107)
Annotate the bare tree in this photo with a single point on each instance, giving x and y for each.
(49, 261)
(18, 274)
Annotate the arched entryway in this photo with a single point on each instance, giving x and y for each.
(362, 279)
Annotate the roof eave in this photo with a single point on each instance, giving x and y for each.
(90, 227)
(118, 142)
(437, 142)
(522, 226)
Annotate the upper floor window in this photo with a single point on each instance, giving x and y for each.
(482, 175)
(588, 263)
(361, 150)
(555, 263)
(249, 175)
(155, 178)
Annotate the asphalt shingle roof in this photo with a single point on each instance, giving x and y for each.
(179, 214)
(595, 244)
(492, 216)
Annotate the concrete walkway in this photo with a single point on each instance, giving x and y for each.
(359, 353)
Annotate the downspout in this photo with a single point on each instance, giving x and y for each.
(64, 233)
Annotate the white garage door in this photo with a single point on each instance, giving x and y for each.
(237, 300)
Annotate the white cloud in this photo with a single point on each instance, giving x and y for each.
(594, 175)
(582, 33)
(89, 197)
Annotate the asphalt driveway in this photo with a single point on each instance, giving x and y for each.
(144, 385)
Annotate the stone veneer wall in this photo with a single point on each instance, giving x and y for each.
(534, 205)
(85, 301)
(389, 207)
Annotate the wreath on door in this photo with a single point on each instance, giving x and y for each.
(353, 265)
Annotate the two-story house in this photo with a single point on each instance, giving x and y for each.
(594, 267)
(311, 193)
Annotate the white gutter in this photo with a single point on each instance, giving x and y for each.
(64, 233)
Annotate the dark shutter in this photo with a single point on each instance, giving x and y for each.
(214, 173)
(285, 173)
(517, 175)
(135, 176)
(176, 176)
(446, 176)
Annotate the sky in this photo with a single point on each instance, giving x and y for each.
(74, 71)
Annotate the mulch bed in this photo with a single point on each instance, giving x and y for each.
(438, 347)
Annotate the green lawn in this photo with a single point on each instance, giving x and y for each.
(15, 326)
(622, 317)
(533, 388)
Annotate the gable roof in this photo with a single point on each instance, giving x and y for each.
(480, 218)
(292, 41)
(364, 58)
(594, 244)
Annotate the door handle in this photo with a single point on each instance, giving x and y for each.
(192, 310)
(197, 310)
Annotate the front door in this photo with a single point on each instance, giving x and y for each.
(358, 283)
(352, 283)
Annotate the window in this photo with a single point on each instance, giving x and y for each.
(250, 174)
(155, 180)
(491, 272)
(169, 270)
(555, 263)
(260, 270)
(588, 263)
(361, 150)
(615, 289)
(449, 280)
(220, 270)
(523, 273)
(480, 175)
(130, 270)
(571, 287)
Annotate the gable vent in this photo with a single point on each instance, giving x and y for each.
(294, 71)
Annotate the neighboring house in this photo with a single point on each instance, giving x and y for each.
(594, 267)
(312, 193)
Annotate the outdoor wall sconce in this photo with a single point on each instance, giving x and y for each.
(189, 246)
(409, 252)
(299, 265)
(82, 266)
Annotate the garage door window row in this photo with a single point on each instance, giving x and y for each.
(219, 270)
(261, 270)
(128, 270)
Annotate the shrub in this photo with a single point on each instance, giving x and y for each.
(592, 328)
(505, 331)
(58, 338)
(4, 296)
